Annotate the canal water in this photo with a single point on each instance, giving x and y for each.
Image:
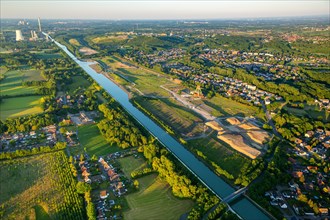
(243, 207)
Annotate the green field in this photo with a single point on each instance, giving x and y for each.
(48, 55)
(91, 139)
(107, 39)
(31, 188)
(217, 152)
(145, 81)
(74, 42)
(310, 111)
(78, 81)
(4, 50)
(173, 113)
(223, 106)
(129, 164)
(12, 83)
(154, 200)
(20, 106)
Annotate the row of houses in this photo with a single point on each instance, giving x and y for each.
(117, 186)
(305, 145)
(323, 103)
(235, 87)
(28, 140)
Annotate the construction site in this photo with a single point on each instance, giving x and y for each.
(242, 134)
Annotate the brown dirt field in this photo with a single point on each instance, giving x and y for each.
(236, 141)
(259, 136)
(87, 51)
(233, 121)
(96, 67)
(214, 125)
(248, 126)
(125, 66)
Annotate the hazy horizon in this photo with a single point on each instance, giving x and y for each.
(161, 10)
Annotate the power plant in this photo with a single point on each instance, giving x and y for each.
(19, 36)
(34, 36)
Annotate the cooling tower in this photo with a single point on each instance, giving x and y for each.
(19, 36)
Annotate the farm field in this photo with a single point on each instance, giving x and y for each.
(154, 200)
(91, 139)
(222, 155)
(223, 106)
(106, 39)
(39, 187)
(20, 106)
(11, 85)
(173, 113)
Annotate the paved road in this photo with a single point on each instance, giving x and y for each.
(270, 120)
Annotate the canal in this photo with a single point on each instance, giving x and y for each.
(243, 207)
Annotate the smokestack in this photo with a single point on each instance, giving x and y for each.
(39, 24)
(19, 36)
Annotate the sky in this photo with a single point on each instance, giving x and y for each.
(161, 9)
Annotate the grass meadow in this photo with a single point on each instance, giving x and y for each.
(11, 85)
(74, 42)
(91, 139)
(78, 81)
(20, 106)
(222, 106)
(154, 199)
(227, 159)
(173, 113)
(144, 80)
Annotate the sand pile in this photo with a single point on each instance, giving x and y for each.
(214, 125)
(236, 141)
(233, 121)
(259, 136)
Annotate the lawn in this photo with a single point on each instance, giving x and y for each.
(78, 81)
(217, 152)
(12, 83)
(33, 187)
(154, 200)
(130, 164)
(91, 139)
(20, 106)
